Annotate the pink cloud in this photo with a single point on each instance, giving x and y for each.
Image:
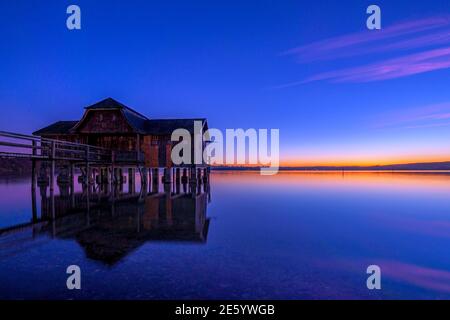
(430, 125)
(419, 276)
(436, 115)
(366, 42)
(388, 69)
(426, 34)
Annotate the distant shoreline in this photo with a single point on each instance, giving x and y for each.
(330, 170)
(426, 166)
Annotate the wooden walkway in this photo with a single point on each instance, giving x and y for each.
(16, 145)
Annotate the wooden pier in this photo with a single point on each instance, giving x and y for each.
(54, 161)
(85, 157)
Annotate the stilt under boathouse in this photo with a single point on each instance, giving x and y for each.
(112, 139)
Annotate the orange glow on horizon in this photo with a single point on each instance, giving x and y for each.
(343, 161)
(361, 161)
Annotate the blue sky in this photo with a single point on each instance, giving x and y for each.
(242, 64)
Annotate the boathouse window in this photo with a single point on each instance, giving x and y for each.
(100, 117)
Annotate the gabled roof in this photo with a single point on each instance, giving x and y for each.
(134, 118)
(110, 103)
(60, 127)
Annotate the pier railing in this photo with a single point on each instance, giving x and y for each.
(16, 145)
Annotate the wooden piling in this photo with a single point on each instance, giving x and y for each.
(155, 180)
(131, 180)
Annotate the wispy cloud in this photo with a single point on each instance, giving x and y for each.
(428, 34)
(424, 277)
(436, 115)
(365, 42)
(389, 69)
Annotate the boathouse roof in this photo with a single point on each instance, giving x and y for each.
(60, 127)
(140, 123)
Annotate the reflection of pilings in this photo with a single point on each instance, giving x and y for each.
(55, 207)
(192, 180)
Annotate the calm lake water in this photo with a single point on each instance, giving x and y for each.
(289, 236)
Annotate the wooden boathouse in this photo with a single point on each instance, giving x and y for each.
(127, 138)
(111, 125)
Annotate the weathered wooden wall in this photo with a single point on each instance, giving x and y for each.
(152, 147)
(114, 142)
(104, 121)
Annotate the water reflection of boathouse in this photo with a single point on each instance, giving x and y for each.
(110, 223)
